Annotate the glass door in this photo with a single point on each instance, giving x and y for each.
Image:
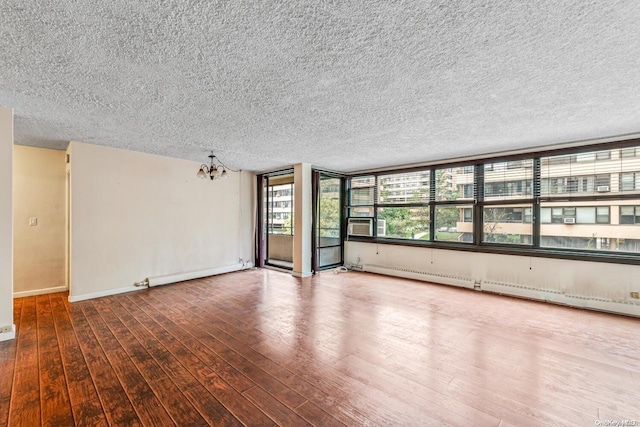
(328, 223)
(278, 220)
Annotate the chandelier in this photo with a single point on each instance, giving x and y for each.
(215, 170)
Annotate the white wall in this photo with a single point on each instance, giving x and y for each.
(138, 215)
(595, 285)
(6, 215)
(38, 192)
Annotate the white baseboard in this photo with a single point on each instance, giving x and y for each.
(6, 336)
(301, 275)
(44, 291)
(76, 298)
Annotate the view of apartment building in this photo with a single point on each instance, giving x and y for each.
(584, 199)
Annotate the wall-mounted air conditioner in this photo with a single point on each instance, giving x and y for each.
(569, 220)
(360, 227)
(602, 188)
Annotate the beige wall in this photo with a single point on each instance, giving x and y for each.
(39, 192)
(138, 215)
(6, 213)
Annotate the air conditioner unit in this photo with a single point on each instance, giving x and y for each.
(569, 220)
(360, 227)
(602, 188)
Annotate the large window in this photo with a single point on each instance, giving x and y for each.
(579, 201)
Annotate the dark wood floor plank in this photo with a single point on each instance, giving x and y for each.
(54, 395)
(89, 413)
(117, 407)
(79, 382)
(25, 397)
(145, 403)
(316, 381)
(316, 416)
(229, 397)
(210, 408)
(277, 389)
(178, 406)
(278, 412)
(147, 366)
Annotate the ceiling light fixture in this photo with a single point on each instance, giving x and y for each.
(215, 170)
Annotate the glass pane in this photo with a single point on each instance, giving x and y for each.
(508, 180)
(362, 190)
(507, 224)
(361, 212)
(329, 209)
(586, 215)
(329, 256)
(454, 184)
(450, 224)
(603, 226)
(411, 187)
(280, 209)
(590, 173)
(403, 223)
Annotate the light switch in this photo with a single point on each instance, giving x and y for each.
(33, 221)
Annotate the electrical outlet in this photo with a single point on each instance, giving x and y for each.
(635, 295)
(33, 221)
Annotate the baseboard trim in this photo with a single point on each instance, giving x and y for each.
(76, 298)
(11, 335)
(301, 275)
(44, 291)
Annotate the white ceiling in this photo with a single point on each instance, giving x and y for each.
(345, 85)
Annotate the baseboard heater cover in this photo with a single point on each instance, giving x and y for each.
(161, 280)
(523, 291)
(190, 275)
(441, 278)
(593, 303)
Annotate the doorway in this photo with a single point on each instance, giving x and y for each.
(278, 217)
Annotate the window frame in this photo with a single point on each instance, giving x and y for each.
(535, 199)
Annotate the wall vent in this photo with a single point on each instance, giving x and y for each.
(445, 279)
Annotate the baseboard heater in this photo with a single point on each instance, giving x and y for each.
(600, 304)
(189, 275)
(445, 279)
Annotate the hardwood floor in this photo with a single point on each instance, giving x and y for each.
(260, 347)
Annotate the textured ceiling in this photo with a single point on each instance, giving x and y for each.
(345, 85)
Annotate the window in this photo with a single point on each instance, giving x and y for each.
(506, 181)
(404, 222)
(629, 214)
(630, 181)
(574, 215)
(629, 152)
(467, 215)
(588, 200)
